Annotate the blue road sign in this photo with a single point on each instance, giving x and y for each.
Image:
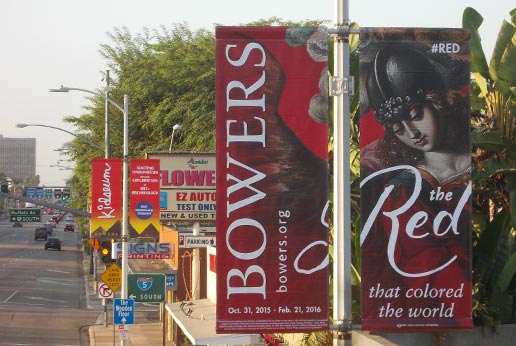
(123, 311)
(170, 281)
(31, 192)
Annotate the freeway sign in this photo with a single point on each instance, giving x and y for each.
(25, 215)
(123, 311)
(145, 287)
(30, 192)
(48, 193)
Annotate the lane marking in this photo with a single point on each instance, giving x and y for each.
(12, 295)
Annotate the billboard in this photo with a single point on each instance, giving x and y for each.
(106, 198)
(415, 179)
(187, 191)
(272, 179)
(144, 198)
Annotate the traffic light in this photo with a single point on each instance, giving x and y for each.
(105, 251)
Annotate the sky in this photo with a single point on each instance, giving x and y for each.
(46, 44)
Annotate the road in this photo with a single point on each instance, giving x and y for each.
(42, 292)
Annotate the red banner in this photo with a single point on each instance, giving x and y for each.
(106, 198)
(272, 171)
(415, 179)
(144, 198)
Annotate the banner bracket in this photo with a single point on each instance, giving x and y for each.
(341, 86)
(342, 32)
(342, 329)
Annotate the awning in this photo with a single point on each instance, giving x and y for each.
(197, 320)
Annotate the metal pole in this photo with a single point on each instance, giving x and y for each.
(106, 124)
(125, 206)
(341, 186)
(196, 265)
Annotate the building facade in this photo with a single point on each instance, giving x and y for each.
(18, 157)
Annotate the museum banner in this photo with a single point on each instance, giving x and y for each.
(272, 179)
(144, 198)
(106, 198)
(415, 179)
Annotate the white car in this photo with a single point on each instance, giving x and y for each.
(52, 222)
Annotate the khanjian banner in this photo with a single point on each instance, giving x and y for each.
(106, 198)
(144, 198)
(415, 179)
(272, 177)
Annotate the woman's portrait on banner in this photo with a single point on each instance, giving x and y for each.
(415, 178)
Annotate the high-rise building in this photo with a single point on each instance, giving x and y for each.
(18, 157)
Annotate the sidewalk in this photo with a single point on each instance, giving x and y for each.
(147, 329)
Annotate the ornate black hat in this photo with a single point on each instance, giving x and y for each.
(398, 77)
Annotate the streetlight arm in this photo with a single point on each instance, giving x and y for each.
(64, 89)
(63, 130)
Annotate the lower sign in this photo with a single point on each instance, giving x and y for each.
(123, 311)
(104, 291)
(148, 288)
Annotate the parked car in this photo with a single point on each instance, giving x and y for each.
(69, 227)
(17, 224)
(40, 233)
(53, 243)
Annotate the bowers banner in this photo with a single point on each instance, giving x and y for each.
(144, 198)
(415, 179)
(106, 198)
(272, 171)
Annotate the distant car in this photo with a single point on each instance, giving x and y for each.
(52, 222)
(40, 233)
(48, 227)
(17, 224)
(57, 218)
(53, 243)
(69, 227)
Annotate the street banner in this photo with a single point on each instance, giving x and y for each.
(272, 179)
(106, 198)
(187, 186)
(144, 198)
(415, 179)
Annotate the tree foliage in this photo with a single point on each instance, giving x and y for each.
(494, 177)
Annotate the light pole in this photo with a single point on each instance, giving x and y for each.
(174, 128)
(125, 182)
(21, 126)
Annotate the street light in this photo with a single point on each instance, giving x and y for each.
(125, 188)
(82, 139)
(176, 127)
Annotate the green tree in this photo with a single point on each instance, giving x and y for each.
(169, 77)
(494, 176)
